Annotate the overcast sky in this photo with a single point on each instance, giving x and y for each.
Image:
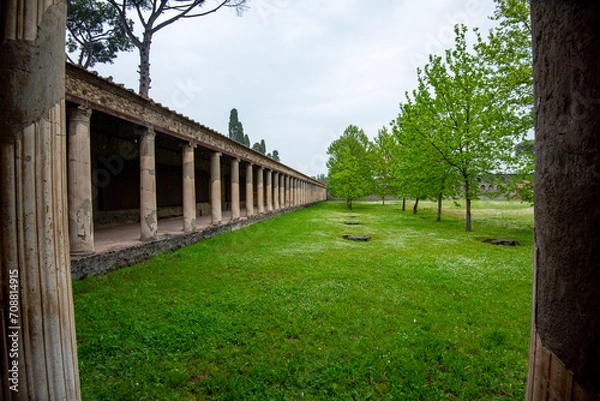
(299, 72)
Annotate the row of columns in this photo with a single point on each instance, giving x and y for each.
(274, 190)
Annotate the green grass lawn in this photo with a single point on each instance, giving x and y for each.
(287, 310)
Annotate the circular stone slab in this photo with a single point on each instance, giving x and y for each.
(356, 237)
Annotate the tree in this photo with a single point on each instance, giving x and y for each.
(350, 175)
(420, 171)
(509, 50)
(236, 130)
(94, 31)
(260, 147)
(154, 15)
(465, 116)
(382, 153)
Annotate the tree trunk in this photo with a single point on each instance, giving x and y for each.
(469, 228)
(403, 204)
(439, 209)
(144, 67)
(416, 206)
(564, 358)
(383, 200)
(349, 203)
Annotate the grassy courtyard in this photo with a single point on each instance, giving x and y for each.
(288, 310)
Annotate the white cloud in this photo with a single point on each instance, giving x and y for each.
(299, 72)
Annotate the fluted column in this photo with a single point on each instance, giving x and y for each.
(235, 188)
(260, 191)
(148, 209)
(189, 188)
(38, 357)
(81, 214)
(249, 190)
(269, 189)
(215, 188)
(275, 190)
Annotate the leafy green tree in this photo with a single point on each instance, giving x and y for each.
(420, 171)
(260, 147)
(465, 116)
(153, 15)
(382, 153)
(509, 51)
(236, 130)
(350, 175)
(94, 33)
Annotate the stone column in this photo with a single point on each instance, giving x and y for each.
(148, 210)
(189, 188)
(269, 189)
(564, 356)
(37, 328)
(281, 191)
(235, 189)
(249, 191)
(215, 188)
(260, 191)
(288, 192)
(275, 190)
(81, 214)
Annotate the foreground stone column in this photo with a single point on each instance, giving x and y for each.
(564, 359)
(189, 188)
(260, 191)
(235, 189)
(215, 188)
(275, 190)
(249, 191)
(269, 189)
(81, 214)
(38, 351)
(148, 209)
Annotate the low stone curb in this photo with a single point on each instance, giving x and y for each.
(103, 262)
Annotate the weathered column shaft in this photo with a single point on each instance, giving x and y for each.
(260, 191)
(235, 189)
(288, 191)
(281, 191)
(564, 361)
(249, 191)
(269, 189)
(275, 190)
(81, 215)
(38, 360)
(148, 208)
(215, 188)
(189, 188)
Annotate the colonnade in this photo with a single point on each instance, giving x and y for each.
(275, 190)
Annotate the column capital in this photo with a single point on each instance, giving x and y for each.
(80, 112)
(192, 145)
(143, 131)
